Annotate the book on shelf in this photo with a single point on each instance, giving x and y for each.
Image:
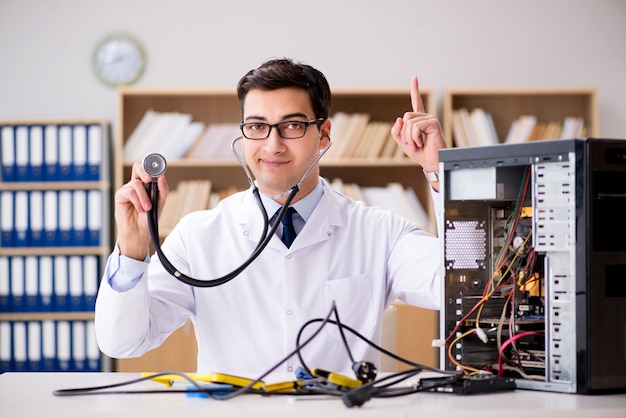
(529, 128)
(170, 134)
(394, 197)
(473, 128)
(356, 136)
(189, 196)
(214, 143)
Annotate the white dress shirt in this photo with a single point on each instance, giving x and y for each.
(361, 258)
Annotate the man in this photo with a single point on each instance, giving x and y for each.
(361, 258)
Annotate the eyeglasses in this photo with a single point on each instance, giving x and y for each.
(291, 129)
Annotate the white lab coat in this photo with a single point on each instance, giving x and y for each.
(360, 257)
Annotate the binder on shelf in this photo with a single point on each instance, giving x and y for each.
(31, 283)
(35, 360)
(6, 218)
(79, 227)
(79, 152)
(7, 136)
(79, 346)
(61, 284)
(95, 152)
(65, 153)
(50, 219)
(5, 284)
(21, 153)
(36, 156)
(92, 351)
(48, 345)
(46, 283)
(36, 218)
(65, 218)
(20, 217)
(75, 277)
(18, 298)
(94, 217)
(20, 343)
(51, 152)
(64, 345)
(6, 344)
(90, 281)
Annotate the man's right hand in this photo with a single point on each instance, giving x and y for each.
(132, 204)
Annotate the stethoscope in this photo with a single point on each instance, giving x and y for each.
(155, 165)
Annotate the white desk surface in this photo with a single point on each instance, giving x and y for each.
(31, 395)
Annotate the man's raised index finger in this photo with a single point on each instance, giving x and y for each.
(416, 98)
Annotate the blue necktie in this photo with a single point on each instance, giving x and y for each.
(289, 232)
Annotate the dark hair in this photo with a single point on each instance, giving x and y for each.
(284, 72)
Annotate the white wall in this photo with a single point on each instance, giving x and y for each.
(46, 47)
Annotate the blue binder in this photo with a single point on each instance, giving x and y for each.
(48, 345)
(31, 283)
(79, 218)
(65, 218)
(46, 283)
(36, 211)
(90, 281)
(7, 226)
(20, 219)
(75, 279)
(66, 172)
(18, 296)
(94, 217)
(79, 345)
(36, 151)
(79, 152)
(64, 345)
(7, 152)
(5, 284)
(34, 358)
(20, 346)
(51, 218)
(6, 347)
(61, 284)
(22, 153)
(95, 150)
(93, 352)
(51, 153)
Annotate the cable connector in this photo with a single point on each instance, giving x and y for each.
(482, 335)
(365, 371)
(357, 397)
(438, 343)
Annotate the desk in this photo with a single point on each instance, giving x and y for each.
(30, 395)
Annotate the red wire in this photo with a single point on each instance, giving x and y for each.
(509, 341)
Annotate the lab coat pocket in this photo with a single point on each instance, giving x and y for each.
(353, 299)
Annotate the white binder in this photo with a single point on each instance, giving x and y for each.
(21, 218)
(46, 283)
(36, 158)
(36, 218)
(31, 282)
(21, 152)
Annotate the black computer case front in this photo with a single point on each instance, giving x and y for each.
(534, 271)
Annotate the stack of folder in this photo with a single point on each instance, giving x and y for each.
(55, 181)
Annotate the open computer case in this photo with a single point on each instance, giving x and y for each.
(534, 263)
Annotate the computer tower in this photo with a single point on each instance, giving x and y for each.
(534, 263)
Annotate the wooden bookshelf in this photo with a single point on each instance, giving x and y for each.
(507, 104)
(221, 106)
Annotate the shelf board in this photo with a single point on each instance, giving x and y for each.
(47, 316)
(17, 251)
(55, 185)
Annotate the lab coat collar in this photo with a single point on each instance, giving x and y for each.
(321, 226)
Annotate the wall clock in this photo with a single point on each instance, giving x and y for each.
(118, 60)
